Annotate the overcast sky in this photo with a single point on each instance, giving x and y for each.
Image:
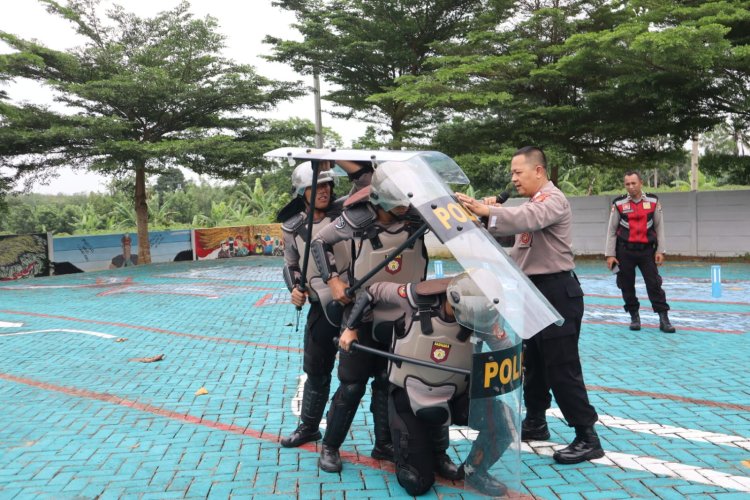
(244, 23)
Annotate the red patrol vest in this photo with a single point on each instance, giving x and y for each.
(636, 219)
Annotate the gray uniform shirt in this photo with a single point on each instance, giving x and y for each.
(542, 226)
(614, 222)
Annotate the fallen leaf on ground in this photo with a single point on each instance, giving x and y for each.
(121, 339)
(201, 391)
(158, 357)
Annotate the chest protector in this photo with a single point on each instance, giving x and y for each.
(430, 389)
(636, 219)
(410, 266)
(319, 291)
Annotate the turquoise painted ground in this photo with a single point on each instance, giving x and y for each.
(82, 418)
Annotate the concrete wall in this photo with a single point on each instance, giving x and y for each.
(703, 224)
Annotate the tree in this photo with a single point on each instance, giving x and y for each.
(171, 180)
(147, 93)
(364, 46)
(598, 81)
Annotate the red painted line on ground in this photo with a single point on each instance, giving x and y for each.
(672, 299)
(670, 397)
(221, 340)
(262, 300)
(679, 327)
(348, 456)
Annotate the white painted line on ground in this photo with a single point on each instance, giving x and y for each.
(667, 431)
(652, 465)
(64, 330)
(7, 324)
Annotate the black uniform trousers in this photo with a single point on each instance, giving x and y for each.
(551, 359)
(630, 257)
(357, 366)
(319, 349)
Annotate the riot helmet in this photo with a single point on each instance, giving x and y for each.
(390, 184)
(468, 296)
(302, 178)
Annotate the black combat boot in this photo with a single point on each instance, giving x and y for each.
(383, 449)
(330, 460)
(664, 324)
(534, 426)
(444, 466)
(586, 446)
(635, 321)
(340, 416)
(474, 470)
(314, 400)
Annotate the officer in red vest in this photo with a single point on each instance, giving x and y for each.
(635, 238)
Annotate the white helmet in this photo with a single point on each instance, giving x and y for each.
(390, 184)
(303, 174)
(471, 306)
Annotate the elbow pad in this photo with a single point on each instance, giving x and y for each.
(289, 277)
(360, 307)
(320, 256)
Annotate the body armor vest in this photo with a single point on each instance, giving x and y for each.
(441, 347)
(408, 267)
(428, 387)
(319, 291)
(636, 219)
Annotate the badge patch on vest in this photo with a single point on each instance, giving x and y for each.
(626, 208)
(402, 291)
(525, 239)
(394, 266)
(647, 205)
(440, 351)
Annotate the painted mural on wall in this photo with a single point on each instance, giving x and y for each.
(113, 251)
(239, 241)
(23, 256)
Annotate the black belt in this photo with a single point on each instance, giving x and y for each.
(535, 278)
(635, 246)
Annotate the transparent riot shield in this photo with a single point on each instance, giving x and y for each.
(493, 460)
(492, 456)
(440, 163)
(525, 310)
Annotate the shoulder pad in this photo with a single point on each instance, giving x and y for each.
(419, 300)
(651, 195)
(619, 198)
(358, 197)
(360, 216)
(293, 223)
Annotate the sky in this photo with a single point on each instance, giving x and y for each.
(244, 23)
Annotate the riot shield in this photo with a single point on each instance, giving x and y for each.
(525, 310)
(440, 164)
(492, 458)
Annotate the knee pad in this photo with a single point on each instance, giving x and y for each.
(414, 483)
(351, 394)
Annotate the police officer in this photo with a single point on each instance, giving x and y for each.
(635, 238)
(319, 353)
(375, 223)
(425, 401)
(543, 250)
